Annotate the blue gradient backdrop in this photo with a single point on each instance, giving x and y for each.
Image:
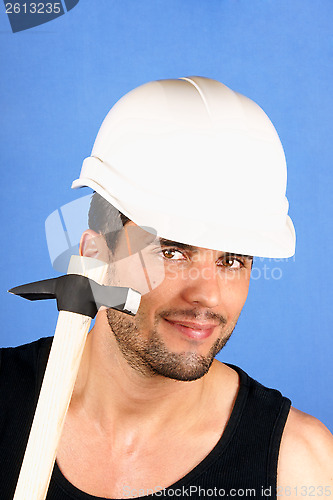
(60, 79)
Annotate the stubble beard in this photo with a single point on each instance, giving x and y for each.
(150, 356)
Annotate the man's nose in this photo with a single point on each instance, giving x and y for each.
(202, 285)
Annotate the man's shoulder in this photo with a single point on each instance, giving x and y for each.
(18, 362)
(306, 447)
(306, 456)
(255, 390)
(26, 351)
(21, 372)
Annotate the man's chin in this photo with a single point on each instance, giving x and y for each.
(184, 367)
(152, 357)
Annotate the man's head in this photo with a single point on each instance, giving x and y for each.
(186, 318)
(203, 167)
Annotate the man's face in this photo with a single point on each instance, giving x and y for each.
(184, 319)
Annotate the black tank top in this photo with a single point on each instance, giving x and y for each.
(242, 464)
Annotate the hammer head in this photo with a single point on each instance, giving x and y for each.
(81, 295)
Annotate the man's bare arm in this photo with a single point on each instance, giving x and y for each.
(305, 467)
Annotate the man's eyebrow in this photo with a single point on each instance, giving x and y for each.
(239, 255)
(170, 243)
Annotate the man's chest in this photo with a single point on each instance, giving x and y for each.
(94, 466)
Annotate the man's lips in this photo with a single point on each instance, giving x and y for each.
(191, 329)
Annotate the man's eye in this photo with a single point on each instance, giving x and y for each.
(172, 254)
(231, 262)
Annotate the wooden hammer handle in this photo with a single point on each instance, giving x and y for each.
(56, 391)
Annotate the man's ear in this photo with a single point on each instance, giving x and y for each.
(93, 245)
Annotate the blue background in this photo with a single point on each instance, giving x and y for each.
(60, 79)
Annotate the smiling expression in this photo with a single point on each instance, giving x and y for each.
(188, 310)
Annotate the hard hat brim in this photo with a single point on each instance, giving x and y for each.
(277, 243)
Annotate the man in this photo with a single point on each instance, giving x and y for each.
(193, 175)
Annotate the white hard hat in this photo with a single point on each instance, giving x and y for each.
(199, 163)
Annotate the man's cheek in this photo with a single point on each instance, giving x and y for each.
(137, 272)
(233, 300)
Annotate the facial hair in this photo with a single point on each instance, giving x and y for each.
(150, 356)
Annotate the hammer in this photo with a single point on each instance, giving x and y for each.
(79, 294)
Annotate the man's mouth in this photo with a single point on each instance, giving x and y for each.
(191, 329)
